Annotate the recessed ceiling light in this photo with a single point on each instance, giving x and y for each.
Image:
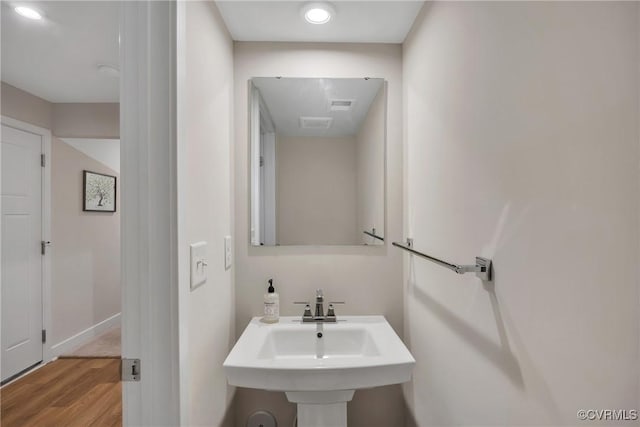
(318, 12)
(28, 12)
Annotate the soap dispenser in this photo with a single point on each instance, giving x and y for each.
(271, 305)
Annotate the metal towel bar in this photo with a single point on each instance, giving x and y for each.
(373, 234)
(482, 267)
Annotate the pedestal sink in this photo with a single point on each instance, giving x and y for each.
(319, 366)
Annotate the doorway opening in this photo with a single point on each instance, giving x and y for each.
(60, 186)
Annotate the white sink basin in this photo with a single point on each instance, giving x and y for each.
(357, 352)
(302, 342)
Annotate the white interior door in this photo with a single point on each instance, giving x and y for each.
(21, 191)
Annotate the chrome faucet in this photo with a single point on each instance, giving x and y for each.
(319, 306)
(319, 316)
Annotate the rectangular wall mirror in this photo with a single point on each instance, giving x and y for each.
(317, 148)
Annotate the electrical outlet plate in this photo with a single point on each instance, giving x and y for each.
(228, 252)
(198, 264)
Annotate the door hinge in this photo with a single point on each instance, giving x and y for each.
(42, 160)
(43, 246)
(261, 161)
(44, 336)
(130, 369)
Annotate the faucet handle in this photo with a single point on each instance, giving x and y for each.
(307, 309)
(331, 313)
(330, 310)
(307, 312)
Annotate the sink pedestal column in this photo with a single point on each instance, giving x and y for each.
(321, 408)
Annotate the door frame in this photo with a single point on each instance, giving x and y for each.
(148, 128)
(45, 183)
(148, 137)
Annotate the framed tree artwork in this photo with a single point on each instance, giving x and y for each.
(99, 192)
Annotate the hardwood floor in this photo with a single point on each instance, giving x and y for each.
(66, 392)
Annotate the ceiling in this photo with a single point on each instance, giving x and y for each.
(354, 21)
(289, 99)
(56, 58)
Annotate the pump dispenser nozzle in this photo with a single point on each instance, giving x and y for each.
(271, 304)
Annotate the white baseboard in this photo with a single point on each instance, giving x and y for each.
(71, 343)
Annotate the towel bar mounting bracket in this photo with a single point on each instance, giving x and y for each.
(483, 266)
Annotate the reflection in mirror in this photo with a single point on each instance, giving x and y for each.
(317, 161)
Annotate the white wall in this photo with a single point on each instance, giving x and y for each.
(367, 277)
(522, 145)
(205, 106)
(370, 142)
(24, 106)
(316, 191)
(85, 254)
(75, 120)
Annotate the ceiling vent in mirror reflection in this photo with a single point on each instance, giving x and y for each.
(341, 104)
(315, 122)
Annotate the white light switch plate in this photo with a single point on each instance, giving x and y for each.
(228, 252)
(198, 264)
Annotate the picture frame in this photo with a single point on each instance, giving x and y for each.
(99, 192)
